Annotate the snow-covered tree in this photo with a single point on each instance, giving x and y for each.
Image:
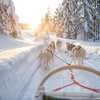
(7, 17)
(58, 22)
(44, 26)
(51, 23)
(81, 18)
(91, 15)
(71, 18)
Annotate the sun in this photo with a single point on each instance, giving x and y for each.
(32, 11)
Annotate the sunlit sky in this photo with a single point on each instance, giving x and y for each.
(32, 11)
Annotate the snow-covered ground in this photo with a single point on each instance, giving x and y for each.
(12, 50)
(18, 63)
(7, 42)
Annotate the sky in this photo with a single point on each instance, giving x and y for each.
(32, 11)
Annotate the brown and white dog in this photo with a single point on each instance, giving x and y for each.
(78, 54)
(69, 47)
(52, 46)
(46, 57)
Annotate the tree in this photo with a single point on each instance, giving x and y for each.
(71, 18)
(7, 18)
(55, 22)
(81, 17)
(44, 26)
(91, 14)
(51, 23)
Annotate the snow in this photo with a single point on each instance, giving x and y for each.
(6, 42)
(11, 51)
(19, 77)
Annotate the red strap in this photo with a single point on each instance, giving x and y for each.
(91, 89)
(57, 89)
(77, 83)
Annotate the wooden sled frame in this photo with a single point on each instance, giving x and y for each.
(65, 67)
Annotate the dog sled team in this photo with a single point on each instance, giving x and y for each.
(76, 52)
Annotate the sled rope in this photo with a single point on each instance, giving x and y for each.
(61, 59)
(57, 89)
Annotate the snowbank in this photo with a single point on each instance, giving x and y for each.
(7, 42)
(9, 61)
(13, 51)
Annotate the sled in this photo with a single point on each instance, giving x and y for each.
(41, 94)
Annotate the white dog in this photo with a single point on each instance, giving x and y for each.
(78, 54)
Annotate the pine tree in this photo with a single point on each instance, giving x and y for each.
(7, 18)
(51, 23)
(72, 18)
(44, 26)
(58, 22)
(81, 17)
(91, 14)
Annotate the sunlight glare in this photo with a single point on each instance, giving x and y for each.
(32, 11)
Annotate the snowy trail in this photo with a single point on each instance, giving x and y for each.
(15, 80)
(19, 82)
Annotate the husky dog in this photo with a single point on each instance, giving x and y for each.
(52, 46)
(69, 47)
(78, 54)
(46, 57)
